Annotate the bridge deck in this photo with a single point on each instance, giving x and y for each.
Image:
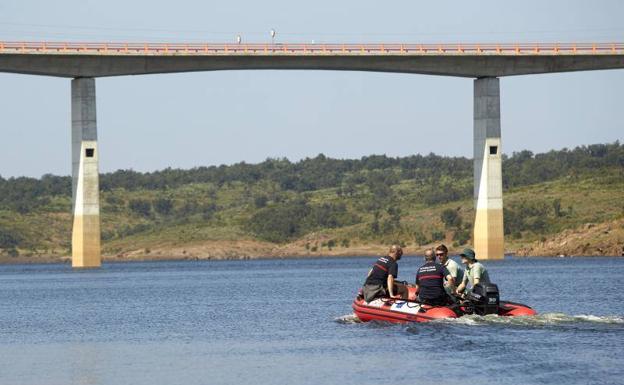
(175, 49)
(71, 59)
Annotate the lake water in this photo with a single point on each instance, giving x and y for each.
(290, 322)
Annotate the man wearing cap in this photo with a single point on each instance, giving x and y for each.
(475, 271)
(453, 267)
(380, 279)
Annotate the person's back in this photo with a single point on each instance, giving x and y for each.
(380, 279)
(380, 270)
(430, 282)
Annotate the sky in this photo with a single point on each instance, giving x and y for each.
(151, 122)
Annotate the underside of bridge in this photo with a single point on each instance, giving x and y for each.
(464, 65)
(85, 62)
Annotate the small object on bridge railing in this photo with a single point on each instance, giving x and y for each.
(613, 48)
(517, 50)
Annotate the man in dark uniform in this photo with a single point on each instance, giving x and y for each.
(380, 279)
(430, 281)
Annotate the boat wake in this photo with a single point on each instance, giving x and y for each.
(348, 319)
(546, 319)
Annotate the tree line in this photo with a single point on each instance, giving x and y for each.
(273, 202)
(435, 173)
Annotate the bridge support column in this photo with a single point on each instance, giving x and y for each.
(85, 176)
(488, 182)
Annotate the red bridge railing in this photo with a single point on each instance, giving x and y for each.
(174, 49)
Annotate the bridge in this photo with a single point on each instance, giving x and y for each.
(486, 63)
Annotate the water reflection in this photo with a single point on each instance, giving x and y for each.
(84, 364)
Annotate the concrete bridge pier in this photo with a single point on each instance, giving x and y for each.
(488, 181)
(85, 176)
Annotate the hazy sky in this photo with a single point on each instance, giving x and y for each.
(210, 118)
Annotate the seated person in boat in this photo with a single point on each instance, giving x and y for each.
(380, 279)
(430, 281)
(453, 267)
(475, 272)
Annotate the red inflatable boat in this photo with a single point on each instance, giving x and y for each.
(482, 301)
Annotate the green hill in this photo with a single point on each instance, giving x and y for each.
(324, 206)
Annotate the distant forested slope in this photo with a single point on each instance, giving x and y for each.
(375, 197)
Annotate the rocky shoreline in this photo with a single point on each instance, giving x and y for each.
(140, 257)
(604, 239)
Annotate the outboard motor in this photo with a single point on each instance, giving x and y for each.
(484, 298)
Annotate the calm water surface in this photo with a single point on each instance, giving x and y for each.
(289, 322)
